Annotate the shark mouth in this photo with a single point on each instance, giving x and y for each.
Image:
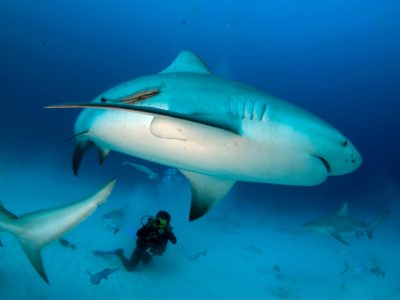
(324, 162)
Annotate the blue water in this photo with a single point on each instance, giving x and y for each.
(338, 59)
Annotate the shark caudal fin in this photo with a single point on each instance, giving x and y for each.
(376, 222)
(35, 230)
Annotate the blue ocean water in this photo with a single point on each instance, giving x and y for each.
(337, 59)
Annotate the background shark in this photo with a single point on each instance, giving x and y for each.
(37, 229)
(96, 278)
(340, 224)
(213, 130)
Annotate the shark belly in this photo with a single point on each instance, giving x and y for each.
(203, 149)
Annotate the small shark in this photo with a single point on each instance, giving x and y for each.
(97, 277)
(224, 223)
(115, 218)
(197, 255)
(37, 229)
(214, 131)
(340, 224)
(149, 172)
(1, 244)
(354, 272)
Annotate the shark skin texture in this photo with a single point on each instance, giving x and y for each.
(37, 229)
(214, 131)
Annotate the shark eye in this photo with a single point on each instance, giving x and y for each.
(345, 143)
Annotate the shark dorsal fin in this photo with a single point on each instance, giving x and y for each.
(187, 62)
(343, 210)
(206, 192)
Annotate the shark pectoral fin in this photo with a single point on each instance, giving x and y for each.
(226, 122)
(338, 237)
(79, 151)
(33, 253)
(206, 192)
(103, 153)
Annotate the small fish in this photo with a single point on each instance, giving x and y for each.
(97, 277)
(196, 255)
(253, 248)
(67, 244)
(276, 268)
(150, 173)
(377, 272)
(1, 244)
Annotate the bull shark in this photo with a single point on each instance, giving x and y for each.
(214, 131)
(37, 229)
(341, 224)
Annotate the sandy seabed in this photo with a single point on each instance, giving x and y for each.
(231, 253)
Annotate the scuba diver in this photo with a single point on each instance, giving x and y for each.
(151, 240)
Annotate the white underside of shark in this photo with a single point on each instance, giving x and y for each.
(215, 131)
(37, 229)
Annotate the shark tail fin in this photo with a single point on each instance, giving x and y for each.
(37, 229)
(376, 222)
(10, 223)
(32, 251)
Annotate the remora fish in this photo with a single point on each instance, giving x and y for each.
(37, 229)
(97, 277)
(149, 172)
(340, 224)
(213, 130)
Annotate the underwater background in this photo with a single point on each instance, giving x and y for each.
(337, 59)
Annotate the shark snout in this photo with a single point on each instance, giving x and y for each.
(346, 159)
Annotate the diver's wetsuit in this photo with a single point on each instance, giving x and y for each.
(151, 238)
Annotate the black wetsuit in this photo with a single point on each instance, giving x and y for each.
(149, 238)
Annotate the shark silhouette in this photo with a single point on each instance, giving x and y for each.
(96, 278)
(37, 229)
(213, 130)
(340, 224)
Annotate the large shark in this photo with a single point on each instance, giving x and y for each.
(37, 229)
(341, 224)
(215, 131)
